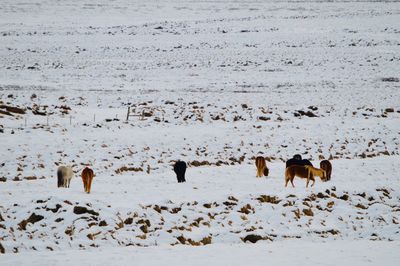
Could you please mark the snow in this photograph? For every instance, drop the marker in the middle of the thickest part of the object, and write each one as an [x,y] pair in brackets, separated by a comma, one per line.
[215,84]
[281,253]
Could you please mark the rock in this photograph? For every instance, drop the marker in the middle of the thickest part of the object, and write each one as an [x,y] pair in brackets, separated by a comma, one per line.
[206,240]
[207,205]
[181,239]
[146,222]
[30,177]
[390,79]
[246,209]
[54,210]
[228,203]
[144,228]
[157,208]
[125,169]
[175,210]
[32,219]
[69,231]
[82,210]
[5,113]
[359,205]
[308,212]
[252,238]
[268,199]
[308,113]
[232,198]
[13,109]
[322,195]
[128,220]
[103,223]
[344,197]
[264,118]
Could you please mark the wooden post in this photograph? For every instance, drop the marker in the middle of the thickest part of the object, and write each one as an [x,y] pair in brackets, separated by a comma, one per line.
[94,117]
[47,120]
[127,114]
[70,120]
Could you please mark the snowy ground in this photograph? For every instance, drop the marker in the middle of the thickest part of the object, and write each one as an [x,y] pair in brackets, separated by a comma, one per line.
[290,252]
[214,84]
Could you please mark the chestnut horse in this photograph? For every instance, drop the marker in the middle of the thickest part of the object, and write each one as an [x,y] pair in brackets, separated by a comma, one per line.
[306,171]
[327,166]
[262,168]
[87,178]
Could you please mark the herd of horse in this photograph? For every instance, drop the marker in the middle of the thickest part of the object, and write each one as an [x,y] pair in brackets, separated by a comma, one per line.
[295,166]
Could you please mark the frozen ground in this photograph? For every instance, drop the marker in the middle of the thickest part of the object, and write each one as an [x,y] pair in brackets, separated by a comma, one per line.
[214,84]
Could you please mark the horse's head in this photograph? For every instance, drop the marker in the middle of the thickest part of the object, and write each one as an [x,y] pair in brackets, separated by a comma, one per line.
[323,177]
[297,157]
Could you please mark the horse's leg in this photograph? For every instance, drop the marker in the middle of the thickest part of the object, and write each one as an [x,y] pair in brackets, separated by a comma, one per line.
[90,183]
[291,181]
[313,182]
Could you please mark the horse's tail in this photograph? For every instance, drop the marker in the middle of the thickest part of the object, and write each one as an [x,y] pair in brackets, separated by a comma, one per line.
[286,172]
[266,171]
[60,179]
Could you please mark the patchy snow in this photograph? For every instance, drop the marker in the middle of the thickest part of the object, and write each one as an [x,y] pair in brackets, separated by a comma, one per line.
[215,84]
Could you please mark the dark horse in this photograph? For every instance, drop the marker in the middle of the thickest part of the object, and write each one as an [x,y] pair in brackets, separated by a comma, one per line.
[180,170]
[297,160]
[327,166]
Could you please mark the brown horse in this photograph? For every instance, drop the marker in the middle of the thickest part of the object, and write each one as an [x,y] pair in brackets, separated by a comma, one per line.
[87,177]
[327,166]
[307,172]
[262,168]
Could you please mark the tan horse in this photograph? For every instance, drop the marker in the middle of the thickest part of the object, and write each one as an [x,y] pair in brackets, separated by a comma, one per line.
[307,172]
[312,171]
[327,166]
[87,177]
[262,168]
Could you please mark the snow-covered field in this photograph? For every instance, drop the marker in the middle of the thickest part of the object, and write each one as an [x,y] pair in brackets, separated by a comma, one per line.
[215,84]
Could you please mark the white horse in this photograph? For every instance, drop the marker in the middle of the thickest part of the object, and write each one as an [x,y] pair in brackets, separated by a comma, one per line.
[64,176]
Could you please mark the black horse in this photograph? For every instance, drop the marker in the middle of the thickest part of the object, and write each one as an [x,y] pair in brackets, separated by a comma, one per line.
[297,160]
[180,170]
